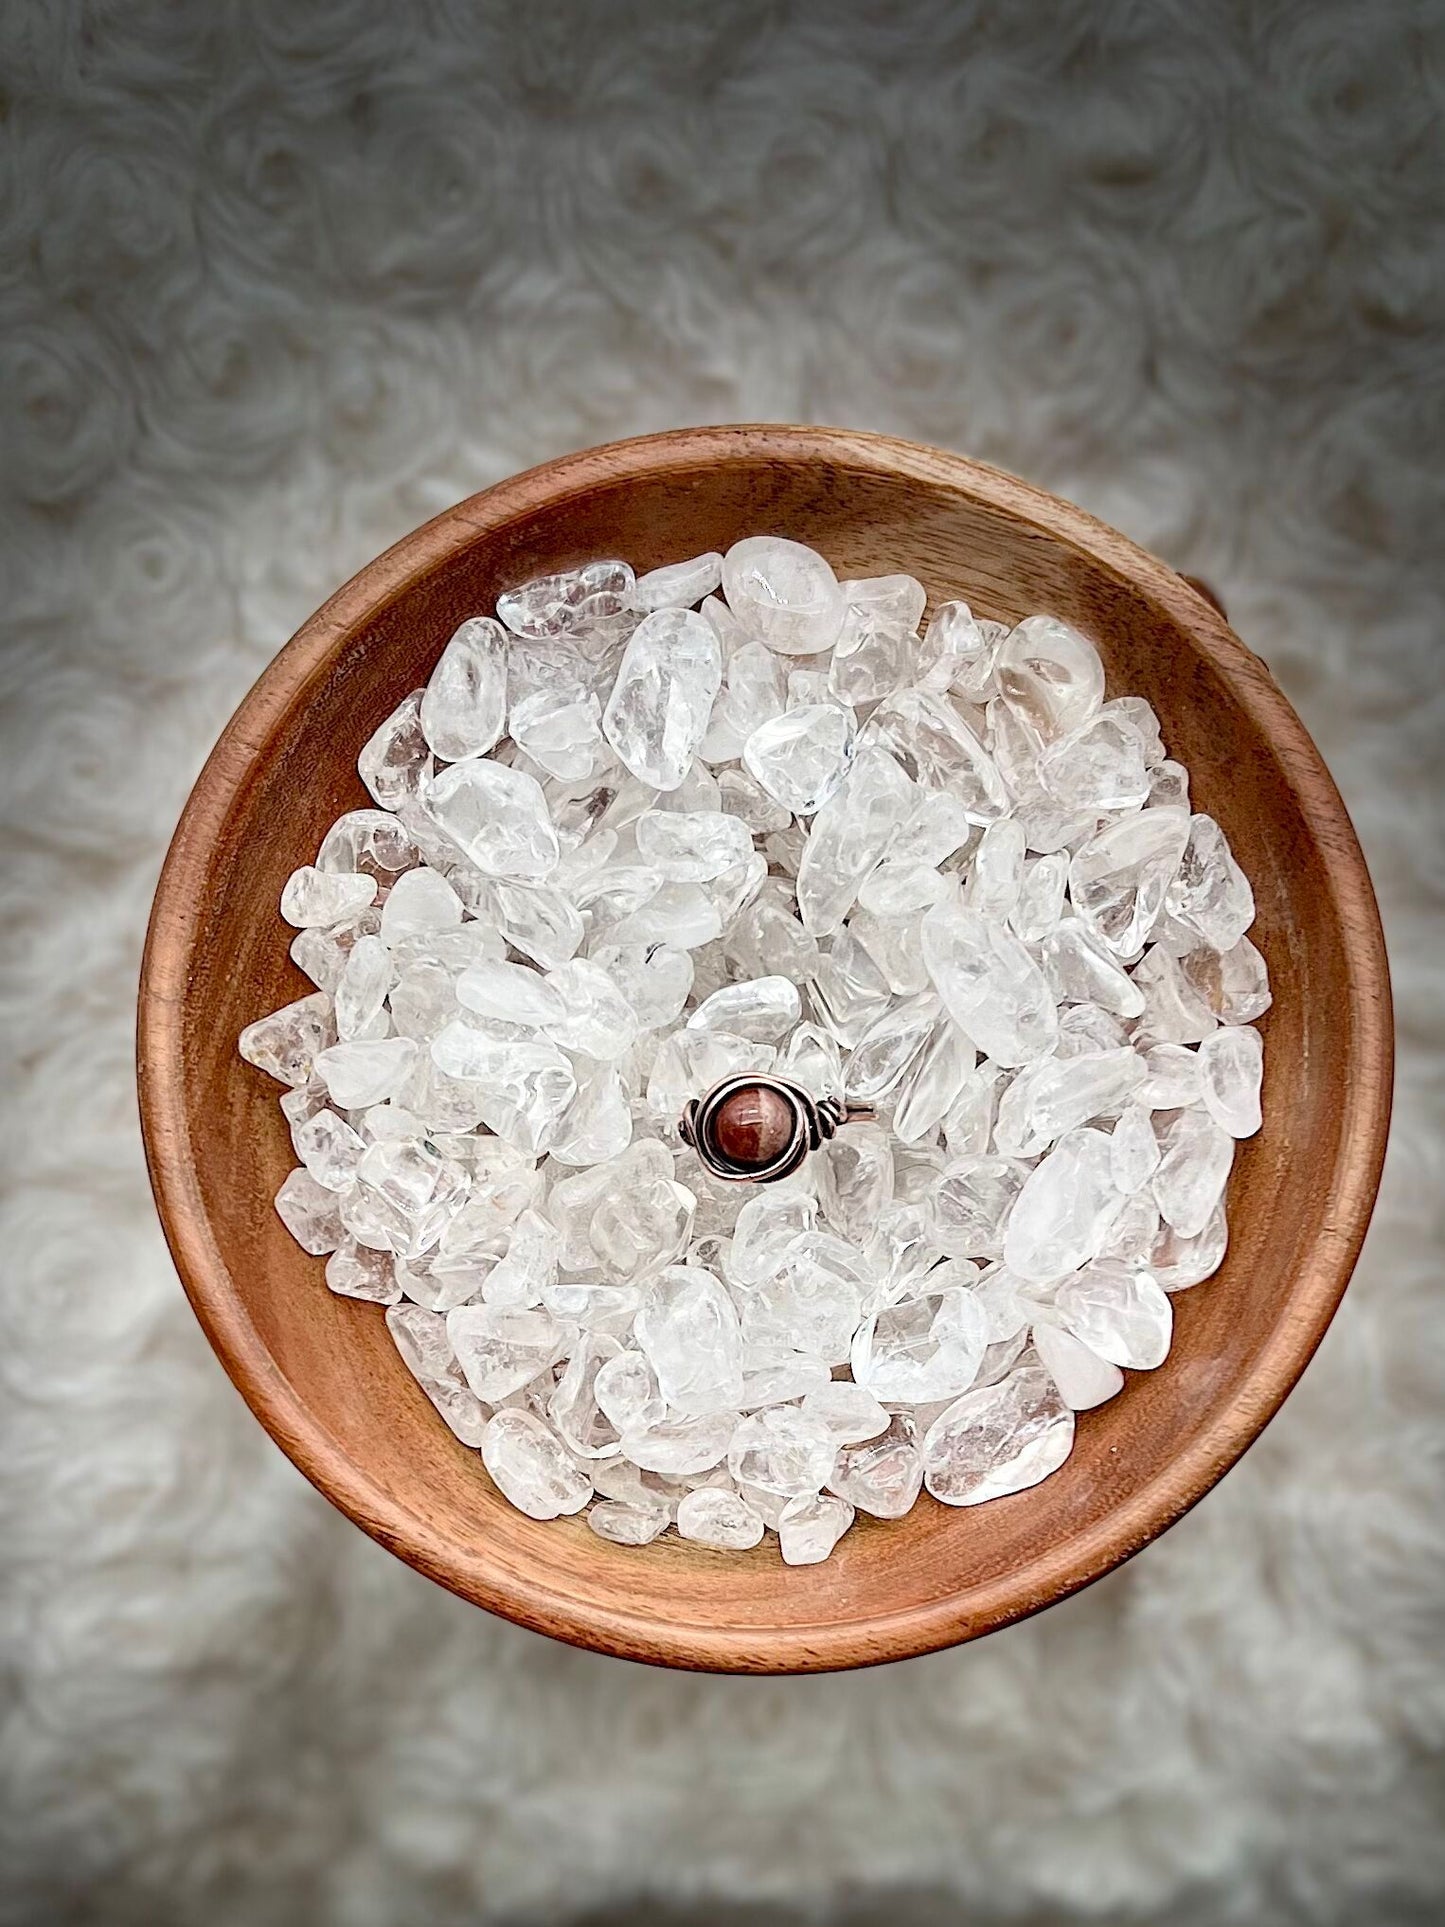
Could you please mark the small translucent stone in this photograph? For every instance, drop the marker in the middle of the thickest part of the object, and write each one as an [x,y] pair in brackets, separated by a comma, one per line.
[324,896]
[1082,1379]
[628,1525]
[935,746]
[688,1328]
[287,1044]
[418,903]
[753,693]
[523,1275]
[311,1213]
[1234,983]
[848,836]
[420,1337]
[991,987]
[676,1446]
[397,761]
[510,993]
[849,991]
[1050,676]
[1118,880]
[656,981]
[330,1149]
[880,1476]
[372,842]
[999,1439]
[1208,893]
[598,1123]
[538,921]
[936,828]
[848,1412]
[416,1193]
[1174,1012]
[692,846]
[527,1087]
[627,1392]
[1134,1150]
[931,1086]
[464,706]
[1135,1231]
[497,816]
[593,601]
[361,993]
[809,1527]
[501,1348]
[998,868]
[761,1008]
[1098,766]
[573,1409]
[1193,1170]
[561,733]
[812,1303]
[971,1204]
[802,757]
[657,714]
[1231,1066]
[712,1516]
[596,1019]
[765,1230]
[1064,1210]
[1119,1313]
[678,585]
[745,798]
[872,654]
[353,1271]
[923,1350]
[1039,907]
[887,1049]
[958,653]
[1177,1262]
[1172,1079]
[530,1466]
[1051,1097]
[781,1450]
[784,594]
[642,1222]
[1169,787]
[366,1071]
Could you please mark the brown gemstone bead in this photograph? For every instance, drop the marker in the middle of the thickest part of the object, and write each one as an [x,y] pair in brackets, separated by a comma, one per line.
[753,1127]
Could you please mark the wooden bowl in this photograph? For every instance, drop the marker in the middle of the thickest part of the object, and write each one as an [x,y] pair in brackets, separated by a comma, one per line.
[319,1371]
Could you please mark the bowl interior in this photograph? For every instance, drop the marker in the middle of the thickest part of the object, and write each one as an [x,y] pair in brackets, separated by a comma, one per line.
[321,1371]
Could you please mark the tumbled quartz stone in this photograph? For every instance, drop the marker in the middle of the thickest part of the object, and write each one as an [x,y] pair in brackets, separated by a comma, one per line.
[396,762]
[688,1328]
[419,903]
[510,993]
[880,1476]
[1083,1379]
[1098,766]
[923,1350]
[809,1527]
[322,897]
[366,1071]
[801,757]
[525,1088]
[330,1149]
[1133,1149]
[628,1524]
[372,842]
[1233,983]
[1174,1012]
[1208,893]
[311,1213]
[958,653]
[932,1084]
[561,733]
[765,1230]
[1119,1313]
[596,1019]
[998,868]
[655,980]
[420,1337]
[497,816]
[849,1412]
[354,1271]
[677,1446]
[598,1122]
[1118,880]
[287,1044]
[1064,1210]
[1050,676]
[760,1008]
[464,705]
[999,1439]
[678,585]
[971,1204]
[848,836]
[1193,1170]
[529,1266]
[1231,1066]
[713,1516]
[537,920]
[692,846]
[934,745]
[1176,1262]
[888,1048]
[991,987]
[784,594]
[361,993]
[1038,908]
[813,1302]
[753,693]
[1048,1098]
[572,602]
[530,1466]
[501,1348]
[657,713]
[781,1450]
[1079,969]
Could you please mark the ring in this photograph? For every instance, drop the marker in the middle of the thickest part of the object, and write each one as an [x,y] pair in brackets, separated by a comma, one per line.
[755,1129]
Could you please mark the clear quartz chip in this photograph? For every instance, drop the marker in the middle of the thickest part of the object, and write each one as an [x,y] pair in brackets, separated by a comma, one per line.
[801,757]
[999,1439]
[922,1350]
[1118,880]
[497,817]
[501,1348]
[1234,983]
[678,585]
[397,761]
[418,903]
[464,705]
[657,713]
[933,743]
[311,1213]
[531,1467]
[782,1450]
[287,1044]
[1208,893]
[760,1008]
[692,846]
[1119,1313]
[1231,1066]
[1098,766]
[809,1527]
[366,1071]
[688,1328]
[561,733]
[1194,1166]
[1050,676]
[676,1446]
[354,1271]
[990,986]
[593,602]
[330,1149]
[324,896]
[1064,1211]
[848,836]
[881,1476]
[1083,1379]
[784,594]
[712,1515]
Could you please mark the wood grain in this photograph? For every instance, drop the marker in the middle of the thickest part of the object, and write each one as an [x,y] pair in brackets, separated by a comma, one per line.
[319,1371]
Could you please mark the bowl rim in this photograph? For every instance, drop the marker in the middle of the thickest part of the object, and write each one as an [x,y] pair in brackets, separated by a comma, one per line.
[174,930]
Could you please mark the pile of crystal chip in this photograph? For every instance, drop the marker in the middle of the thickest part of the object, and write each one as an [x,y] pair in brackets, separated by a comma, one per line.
[639,833]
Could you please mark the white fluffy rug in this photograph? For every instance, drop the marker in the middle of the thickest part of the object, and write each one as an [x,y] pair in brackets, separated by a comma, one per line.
[279,280]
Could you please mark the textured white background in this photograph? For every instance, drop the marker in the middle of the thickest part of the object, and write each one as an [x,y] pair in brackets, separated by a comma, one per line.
[279,281]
